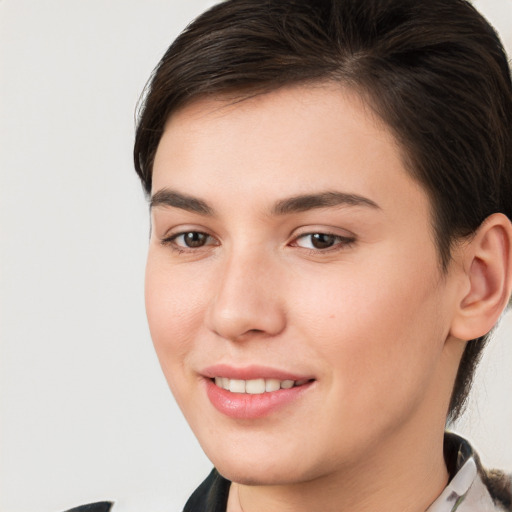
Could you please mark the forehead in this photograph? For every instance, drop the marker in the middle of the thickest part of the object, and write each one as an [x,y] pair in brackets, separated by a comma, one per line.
[291,141]
[302,102]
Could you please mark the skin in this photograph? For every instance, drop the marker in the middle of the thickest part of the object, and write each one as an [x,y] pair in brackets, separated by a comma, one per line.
[369,317]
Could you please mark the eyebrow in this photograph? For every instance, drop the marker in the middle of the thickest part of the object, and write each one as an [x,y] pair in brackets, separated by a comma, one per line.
[167,197]
[306,202]
[295,204]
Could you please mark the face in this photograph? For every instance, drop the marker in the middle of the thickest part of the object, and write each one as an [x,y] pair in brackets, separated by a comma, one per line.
[293,288]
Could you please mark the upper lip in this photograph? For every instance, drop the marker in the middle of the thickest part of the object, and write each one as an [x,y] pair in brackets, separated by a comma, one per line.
[251,372]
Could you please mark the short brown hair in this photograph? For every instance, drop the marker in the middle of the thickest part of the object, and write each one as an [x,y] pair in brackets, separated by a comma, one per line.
[434,71]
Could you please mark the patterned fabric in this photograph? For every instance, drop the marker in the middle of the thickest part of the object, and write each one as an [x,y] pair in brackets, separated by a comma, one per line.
[472,488]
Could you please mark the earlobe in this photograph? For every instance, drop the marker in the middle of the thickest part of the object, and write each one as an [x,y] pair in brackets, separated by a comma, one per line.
[487,264]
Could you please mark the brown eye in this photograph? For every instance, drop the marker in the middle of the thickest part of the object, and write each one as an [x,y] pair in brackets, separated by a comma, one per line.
[193,239]
[323,240]
[317,240]
[190,240]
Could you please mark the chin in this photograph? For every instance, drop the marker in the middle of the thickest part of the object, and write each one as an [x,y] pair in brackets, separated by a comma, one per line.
[256,476]
[259,468]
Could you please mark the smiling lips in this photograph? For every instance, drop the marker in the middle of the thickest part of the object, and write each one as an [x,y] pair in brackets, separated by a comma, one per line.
[245,394]
[256,386]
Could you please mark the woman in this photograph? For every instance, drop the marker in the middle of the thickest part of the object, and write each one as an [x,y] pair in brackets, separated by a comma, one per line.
[331,192]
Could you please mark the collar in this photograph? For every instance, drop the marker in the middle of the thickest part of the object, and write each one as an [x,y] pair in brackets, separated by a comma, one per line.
[471,487]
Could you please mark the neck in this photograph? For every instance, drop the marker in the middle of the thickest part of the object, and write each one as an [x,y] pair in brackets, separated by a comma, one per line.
[405,475]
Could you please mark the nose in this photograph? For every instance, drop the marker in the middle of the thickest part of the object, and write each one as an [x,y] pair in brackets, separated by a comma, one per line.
[247,300]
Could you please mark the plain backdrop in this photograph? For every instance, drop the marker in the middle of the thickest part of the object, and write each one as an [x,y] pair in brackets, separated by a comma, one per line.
[85,413]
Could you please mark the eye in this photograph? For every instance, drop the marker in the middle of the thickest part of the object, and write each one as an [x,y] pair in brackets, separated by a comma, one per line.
[322,241]
[190,240]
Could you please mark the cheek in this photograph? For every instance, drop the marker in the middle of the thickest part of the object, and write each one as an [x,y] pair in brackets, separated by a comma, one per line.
[175,310]
[379,328]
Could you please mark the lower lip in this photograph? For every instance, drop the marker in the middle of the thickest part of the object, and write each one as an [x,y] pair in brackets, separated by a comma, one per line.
[247,406]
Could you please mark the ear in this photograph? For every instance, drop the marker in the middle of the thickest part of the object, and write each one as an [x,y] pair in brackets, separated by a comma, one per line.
[487,279]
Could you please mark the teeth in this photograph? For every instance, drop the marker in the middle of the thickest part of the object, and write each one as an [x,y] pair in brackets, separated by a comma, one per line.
[237,386]
[272,385]
[255,386]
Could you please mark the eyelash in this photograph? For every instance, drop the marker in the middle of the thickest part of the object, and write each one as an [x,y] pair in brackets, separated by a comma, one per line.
[339,242]
[171,241]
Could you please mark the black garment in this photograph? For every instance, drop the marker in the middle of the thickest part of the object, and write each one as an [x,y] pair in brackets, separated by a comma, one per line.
[100,506]
[210,496]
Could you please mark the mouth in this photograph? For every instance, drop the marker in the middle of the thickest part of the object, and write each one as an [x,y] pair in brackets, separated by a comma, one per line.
[254,392]
[257,386]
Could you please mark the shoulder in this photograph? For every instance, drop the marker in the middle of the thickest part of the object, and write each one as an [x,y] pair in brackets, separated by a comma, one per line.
[499,485]
[100,506]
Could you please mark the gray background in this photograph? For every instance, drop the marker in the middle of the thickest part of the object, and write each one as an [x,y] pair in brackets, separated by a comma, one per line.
[84,412]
